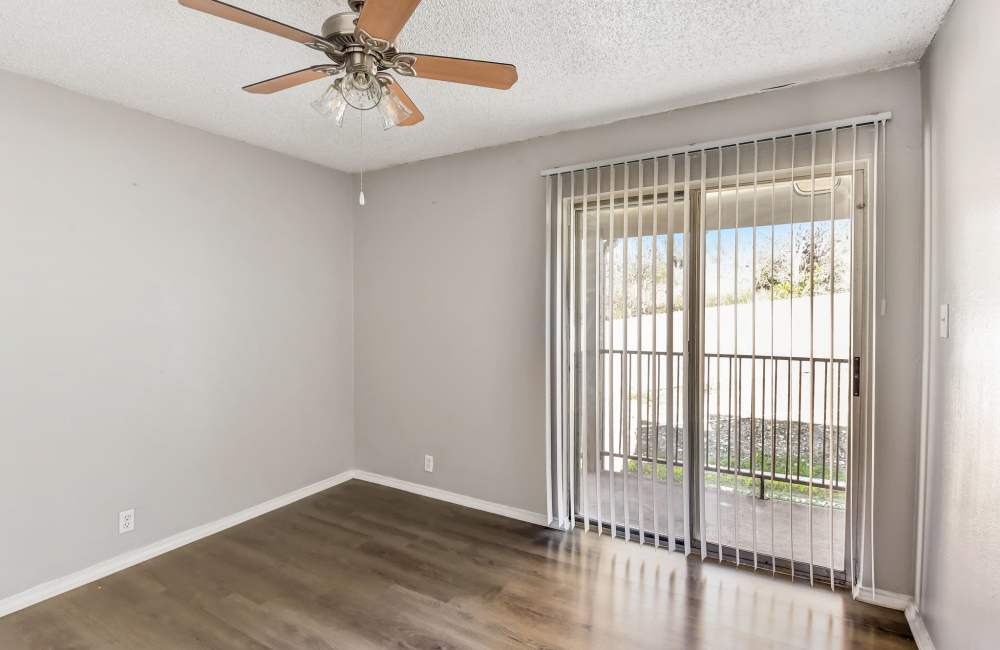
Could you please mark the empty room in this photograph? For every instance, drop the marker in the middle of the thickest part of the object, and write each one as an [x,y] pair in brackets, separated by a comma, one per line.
[466,324]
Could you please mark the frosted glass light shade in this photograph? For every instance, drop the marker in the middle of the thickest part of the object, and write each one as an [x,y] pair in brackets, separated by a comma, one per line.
[393,111]
[332,104]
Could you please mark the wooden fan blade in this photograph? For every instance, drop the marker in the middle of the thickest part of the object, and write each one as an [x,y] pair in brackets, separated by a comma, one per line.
[289,80]
[237,15]
[384,19]
[400,94]
[465,71]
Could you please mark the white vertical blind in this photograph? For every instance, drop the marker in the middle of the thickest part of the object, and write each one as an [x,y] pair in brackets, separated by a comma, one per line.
[705,306]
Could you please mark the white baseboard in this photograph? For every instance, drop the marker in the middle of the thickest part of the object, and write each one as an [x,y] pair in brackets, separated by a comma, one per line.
[883,598]
[105,568]
[919,630]
[903,603]
[537,518]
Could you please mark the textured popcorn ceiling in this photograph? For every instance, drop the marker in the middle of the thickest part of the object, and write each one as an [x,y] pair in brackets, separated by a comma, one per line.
[581,62]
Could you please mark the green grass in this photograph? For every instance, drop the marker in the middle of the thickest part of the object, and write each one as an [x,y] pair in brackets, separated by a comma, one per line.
[778,490]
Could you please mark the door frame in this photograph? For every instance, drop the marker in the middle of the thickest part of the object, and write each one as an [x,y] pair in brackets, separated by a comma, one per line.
[861,345]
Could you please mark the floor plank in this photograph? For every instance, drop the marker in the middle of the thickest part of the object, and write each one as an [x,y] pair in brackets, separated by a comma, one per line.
[366,566]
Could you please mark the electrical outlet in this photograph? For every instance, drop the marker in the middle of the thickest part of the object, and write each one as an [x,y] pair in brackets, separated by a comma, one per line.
[428,463]
[126,521]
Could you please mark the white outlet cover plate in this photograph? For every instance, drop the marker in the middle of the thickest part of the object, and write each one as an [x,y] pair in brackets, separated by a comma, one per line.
[428,463]
[126,521]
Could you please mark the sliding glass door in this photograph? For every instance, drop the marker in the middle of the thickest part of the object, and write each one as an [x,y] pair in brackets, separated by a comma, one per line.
[779,317]
[718,310]
[635,468]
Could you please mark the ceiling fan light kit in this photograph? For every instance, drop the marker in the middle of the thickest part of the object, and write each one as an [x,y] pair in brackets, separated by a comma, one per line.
[361,46]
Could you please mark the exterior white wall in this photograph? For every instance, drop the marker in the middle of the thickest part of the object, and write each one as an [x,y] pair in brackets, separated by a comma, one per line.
[450,299]
[177,328]
[961,559]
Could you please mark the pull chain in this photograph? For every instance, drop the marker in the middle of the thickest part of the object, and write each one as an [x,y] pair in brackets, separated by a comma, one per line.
[361,194]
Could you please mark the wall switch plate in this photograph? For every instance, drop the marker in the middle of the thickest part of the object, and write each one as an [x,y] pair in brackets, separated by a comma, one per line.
[943,318]
[126,521]
[428,463]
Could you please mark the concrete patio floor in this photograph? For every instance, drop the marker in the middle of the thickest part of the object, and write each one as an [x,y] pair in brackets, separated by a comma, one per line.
[791,524]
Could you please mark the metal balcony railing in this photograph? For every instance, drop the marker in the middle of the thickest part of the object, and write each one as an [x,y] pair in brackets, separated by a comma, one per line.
[762,414]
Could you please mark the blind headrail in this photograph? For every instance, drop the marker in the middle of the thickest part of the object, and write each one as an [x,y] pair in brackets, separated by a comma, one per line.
[726,142]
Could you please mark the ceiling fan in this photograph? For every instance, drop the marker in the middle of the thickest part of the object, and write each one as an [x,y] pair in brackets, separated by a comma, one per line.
[361,44]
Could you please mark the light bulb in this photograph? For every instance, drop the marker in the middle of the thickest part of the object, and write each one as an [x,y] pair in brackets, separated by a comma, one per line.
[361,91]
[361,197]
[332,104]
[393,111]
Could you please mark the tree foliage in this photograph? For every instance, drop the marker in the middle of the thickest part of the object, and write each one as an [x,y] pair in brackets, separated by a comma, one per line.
[806,270]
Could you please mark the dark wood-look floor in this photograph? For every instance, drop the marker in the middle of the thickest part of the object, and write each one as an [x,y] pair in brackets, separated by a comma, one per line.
[365,566]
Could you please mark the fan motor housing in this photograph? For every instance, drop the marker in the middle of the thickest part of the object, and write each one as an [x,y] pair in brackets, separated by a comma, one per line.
[340,28]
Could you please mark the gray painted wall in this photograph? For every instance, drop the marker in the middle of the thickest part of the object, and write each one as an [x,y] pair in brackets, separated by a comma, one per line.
[180,341]
[177,328]
[449,290]
[961,581]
